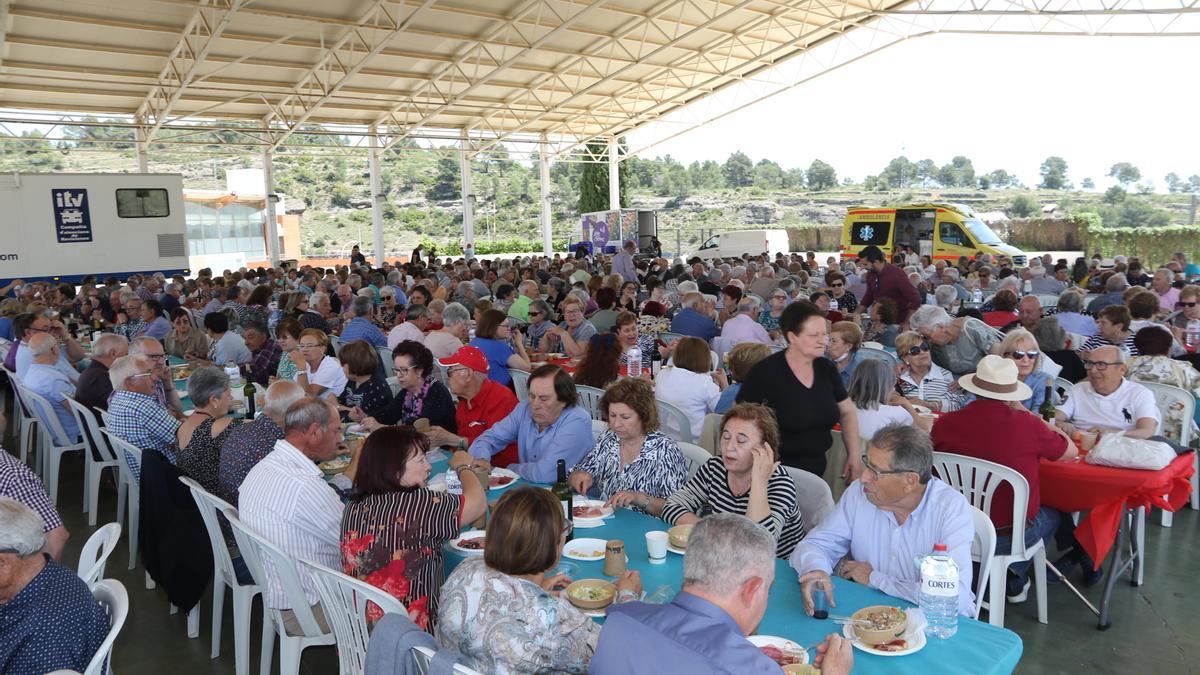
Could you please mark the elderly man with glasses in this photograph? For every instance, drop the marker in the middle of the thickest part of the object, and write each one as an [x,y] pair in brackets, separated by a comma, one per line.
[135,413]
[896,512]
[1106,402]
[482,403]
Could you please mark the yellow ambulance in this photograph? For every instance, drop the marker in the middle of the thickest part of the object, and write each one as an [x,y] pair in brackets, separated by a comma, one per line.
[940,231]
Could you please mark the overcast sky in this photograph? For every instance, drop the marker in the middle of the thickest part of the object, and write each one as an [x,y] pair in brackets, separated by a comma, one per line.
[1005,102]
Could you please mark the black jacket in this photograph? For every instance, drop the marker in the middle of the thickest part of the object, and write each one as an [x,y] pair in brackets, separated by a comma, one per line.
[174,542]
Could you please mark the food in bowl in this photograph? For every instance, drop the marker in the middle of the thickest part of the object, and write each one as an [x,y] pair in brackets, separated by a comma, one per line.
[591,593]
[678,536]
[334,466]
[884,627]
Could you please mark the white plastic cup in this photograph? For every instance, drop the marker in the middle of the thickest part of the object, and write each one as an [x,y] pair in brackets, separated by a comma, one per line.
[96,336]
[656,544]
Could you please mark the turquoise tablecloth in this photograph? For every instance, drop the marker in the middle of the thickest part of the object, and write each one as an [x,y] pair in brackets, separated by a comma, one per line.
[978,647]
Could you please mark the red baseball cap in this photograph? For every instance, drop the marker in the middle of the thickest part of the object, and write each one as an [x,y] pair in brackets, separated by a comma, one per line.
[468,356]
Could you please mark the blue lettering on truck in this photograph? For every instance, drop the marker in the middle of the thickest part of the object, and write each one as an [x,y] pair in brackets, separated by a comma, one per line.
[72,216]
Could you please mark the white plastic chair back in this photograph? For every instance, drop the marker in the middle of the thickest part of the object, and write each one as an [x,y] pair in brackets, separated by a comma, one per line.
[1175,410]
[695,455]
[385,358]
[345,601]
[871,344]
[675,422]
[105,418]
[258,554]
[1061,386]
[880,354]
[978,480]
[1046,299]
[981,552]
[210,505]
[112,595]
[28,421]
[520,380]
[598,430]
[710,433]
[394,383]
[423,656]
[94,556]
[97,446]
[1075,340]
[128,457]
[55,444]
[439,372]
[813,496]
[668,337]
[336,343]
[589,398]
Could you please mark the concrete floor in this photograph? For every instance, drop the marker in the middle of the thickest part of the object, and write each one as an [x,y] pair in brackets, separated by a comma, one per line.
[1153,626]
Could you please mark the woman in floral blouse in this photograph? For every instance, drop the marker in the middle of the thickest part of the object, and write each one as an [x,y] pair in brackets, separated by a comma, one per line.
[394,527]
[633,454]
[504,612]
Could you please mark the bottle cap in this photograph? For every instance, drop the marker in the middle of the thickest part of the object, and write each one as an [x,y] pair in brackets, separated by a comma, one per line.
[940,547]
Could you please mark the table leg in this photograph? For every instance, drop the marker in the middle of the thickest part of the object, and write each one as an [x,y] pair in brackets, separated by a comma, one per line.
[1137,540]
[1117,564]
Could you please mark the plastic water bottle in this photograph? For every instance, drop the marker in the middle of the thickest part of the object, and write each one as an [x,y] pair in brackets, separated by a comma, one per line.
[939,593]
[833,304]
[232,371]
[1028,287]
[633,359]
[1192,335]
[977,295]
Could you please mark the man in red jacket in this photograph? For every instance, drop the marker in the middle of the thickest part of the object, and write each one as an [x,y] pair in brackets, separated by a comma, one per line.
[887,281]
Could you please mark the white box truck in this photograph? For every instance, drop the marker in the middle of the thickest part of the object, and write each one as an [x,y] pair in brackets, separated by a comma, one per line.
[736,243]
[65,226]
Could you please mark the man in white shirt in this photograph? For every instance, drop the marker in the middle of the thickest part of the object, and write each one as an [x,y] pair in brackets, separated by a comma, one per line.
[1107,401]
[285,499]
[894,514]
[416,320]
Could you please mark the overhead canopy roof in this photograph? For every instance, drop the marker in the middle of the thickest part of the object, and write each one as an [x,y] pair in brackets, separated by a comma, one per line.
[500,70]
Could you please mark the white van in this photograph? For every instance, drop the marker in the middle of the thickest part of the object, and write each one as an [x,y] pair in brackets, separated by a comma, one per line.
[735,243]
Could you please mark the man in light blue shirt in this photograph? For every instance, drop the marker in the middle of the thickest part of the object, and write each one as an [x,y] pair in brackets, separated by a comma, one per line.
[728,572]
[547,427]
[622,263]
[886,520]
[45,379]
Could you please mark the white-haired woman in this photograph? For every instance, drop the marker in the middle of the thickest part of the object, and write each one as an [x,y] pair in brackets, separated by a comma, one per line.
[873,391]
[957,344]
[202,433]
[921,380]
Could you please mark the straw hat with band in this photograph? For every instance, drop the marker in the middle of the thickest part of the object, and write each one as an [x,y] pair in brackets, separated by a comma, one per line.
[996,378]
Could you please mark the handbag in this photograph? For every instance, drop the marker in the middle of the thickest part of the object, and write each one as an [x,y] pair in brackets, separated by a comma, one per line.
[1120,451]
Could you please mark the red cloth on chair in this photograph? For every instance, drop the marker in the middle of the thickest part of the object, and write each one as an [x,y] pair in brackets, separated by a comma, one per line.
[1108,491]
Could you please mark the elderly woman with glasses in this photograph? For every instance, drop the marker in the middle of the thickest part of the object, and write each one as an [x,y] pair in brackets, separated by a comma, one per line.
[846,301]
[573,335]
[421,395]
[956,344]
[539,323]
[769,317]
[318,373]
[202,433]
[922,381]
[1020,346]
[1189,310]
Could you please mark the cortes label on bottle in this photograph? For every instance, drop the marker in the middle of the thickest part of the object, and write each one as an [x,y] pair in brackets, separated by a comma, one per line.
[940,587]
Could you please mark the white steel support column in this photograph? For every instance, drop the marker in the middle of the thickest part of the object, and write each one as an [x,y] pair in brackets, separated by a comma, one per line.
[547,234]
[273,251]
[376,199]
[468,193]
[614,177]
[143,159]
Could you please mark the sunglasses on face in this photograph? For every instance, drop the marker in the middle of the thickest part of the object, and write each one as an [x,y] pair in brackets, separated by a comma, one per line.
[1187,304]
[1016,356]
[923,347]
[836,285]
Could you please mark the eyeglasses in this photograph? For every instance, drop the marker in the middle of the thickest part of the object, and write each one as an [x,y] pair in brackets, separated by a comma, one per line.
[39,330]
[837,285]
[402,372]
[880,472]
[1187,304]
[310,346]
[450,372]
[1031,355]
[917,349]
[532,313]
[134,377]
[1101,365]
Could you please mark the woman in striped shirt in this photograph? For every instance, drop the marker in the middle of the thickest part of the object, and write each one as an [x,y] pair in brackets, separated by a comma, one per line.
[394,527]
[633,455]
[1114,324]
[921,380]
[746,479]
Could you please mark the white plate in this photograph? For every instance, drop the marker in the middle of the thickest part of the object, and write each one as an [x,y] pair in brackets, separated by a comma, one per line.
[782,643]
[922,410]
[357,430]
[916,641]
[578,548]
[503,472]
[605,511]
[469,534]
[672,549]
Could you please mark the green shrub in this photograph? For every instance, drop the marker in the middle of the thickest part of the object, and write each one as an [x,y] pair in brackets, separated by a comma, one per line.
[1153,245]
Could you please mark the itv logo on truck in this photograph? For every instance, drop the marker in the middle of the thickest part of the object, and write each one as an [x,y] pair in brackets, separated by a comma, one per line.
[72,216]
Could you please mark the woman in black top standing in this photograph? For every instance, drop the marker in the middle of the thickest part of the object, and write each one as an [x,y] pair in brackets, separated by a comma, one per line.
[807,394]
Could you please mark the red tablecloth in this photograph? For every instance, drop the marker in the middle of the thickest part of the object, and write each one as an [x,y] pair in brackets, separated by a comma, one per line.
[1106,491]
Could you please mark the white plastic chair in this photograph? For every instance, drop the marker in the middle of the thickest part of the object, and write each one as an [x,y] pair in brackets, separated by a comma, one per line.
[813,496]
[112,595]
[345,601]
[1176,410]
[93,468]
[1046,299]
[589,398]
[695,455]
[128,457]
[27,422]
[385,358]
[94,556]
[675,422]
[336,343]
[710,433]
[394,383]
[977,480]
[1061,386]
[55,442]
[880,354]
[520,380]
[598,429]
[668,337]
[981,552]
[423,656]
[256,551]
[224,575]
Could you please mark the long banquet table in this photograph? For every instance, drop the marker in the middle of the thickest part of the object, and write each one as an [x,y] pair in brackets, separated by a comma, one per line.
[978,648]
